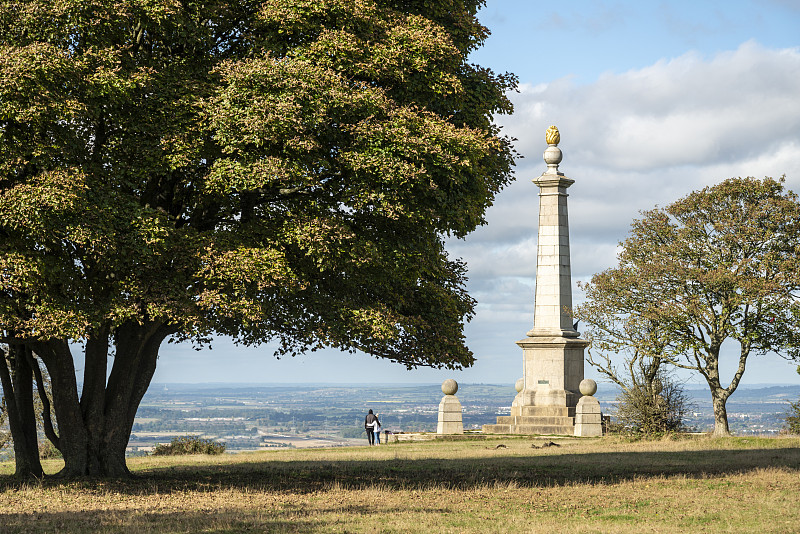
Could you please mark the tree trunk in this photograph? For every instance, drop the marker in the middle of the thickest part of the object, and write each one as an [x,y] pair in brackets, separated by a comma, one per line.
[73,437]
[18,393]
[134,365]
[720,414]
[47,414]
[94,430]
[93,395]
[719,395]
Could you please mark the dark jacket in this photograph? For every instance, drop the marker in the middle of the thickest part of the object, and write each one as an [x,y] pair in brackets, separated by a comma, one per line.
[370,419]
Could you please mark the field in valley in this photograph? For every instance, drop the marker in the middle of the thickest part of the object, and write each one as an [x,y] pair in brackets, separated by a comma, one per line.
[687,484]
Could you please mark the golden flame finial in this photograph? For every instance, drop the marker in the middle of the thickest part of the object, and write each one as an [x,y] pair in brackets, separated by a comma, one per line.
[552,136]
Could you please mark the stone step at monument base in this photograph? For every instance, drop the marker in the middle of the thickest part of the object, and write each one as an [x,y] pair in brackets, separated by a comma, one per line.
[535,420]
[559,430]
[543,411]
[559,420]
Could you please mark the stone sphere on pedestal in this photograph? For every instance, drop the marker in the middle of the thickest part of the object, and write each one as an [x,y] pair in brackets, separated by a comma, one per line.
[553,155]
[588,387]
[519,384]
[449,387]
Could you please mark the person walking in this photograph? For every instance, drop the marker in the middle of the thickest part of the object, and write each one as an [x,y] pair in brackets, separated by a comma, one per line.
[369,426]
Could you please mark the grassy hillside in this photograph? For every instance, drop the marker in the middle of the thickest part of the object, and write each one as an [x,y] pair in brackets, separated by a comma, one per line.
[606,485]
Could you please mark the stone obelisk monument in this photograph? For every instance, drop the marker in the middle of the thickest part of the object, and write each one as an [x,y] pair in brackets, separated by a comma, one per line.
[552,352]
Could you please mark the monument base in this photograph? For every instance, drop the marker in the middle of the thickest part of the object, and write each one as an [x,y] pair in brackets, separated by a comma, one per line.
[553,371]
[535,420]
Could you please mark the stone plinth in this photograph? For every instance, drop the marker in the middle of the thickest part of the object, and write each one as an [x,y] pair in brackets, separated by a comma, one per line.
[588,418]
[450,419]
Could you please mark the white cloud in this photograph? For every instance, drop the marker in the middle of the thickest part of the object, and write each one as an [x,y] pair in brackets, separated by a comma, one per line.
[686,111]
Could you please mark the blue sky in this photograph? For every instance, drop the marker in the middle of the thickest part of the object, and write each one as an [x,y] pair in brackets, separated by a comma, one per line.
[653,100]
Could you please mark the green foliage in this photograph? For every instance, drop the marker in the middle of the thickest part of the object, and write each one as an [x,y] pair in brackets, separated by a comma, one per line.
[652,409]
[188,445]
[47,450]
[722,264]
[793,418]
[268,170]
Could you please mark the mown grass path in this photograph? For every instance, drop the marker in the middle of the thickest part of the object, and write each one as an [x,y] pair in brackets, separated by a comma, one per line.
[601,485]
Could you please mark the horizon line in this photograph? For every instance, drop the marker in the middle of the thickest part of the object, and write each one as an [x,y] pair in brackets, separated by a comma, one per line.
[412,384]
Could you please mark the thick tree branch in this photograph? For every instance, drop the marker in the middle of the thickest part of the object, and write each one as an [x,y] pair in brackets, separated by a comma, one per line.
[47,418]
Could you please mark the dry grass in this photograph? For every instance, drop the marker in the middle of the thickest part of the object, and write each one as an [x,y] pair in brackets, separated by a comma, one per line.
[608,485]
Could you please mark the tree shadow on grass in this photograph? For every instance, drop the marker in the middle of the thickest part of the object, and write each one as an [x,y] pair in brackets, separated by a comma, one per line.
[521,470]
[227,520]
[132,520]
[465,473]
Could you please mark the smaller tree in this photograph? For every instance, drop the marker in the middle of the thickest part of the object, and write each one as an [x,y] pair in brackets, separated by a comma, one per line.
[793,418]
[722,264]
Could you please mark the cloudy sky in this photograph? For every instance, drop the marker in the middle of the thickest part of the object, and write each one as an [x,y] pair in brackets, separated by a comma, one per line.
[653,100]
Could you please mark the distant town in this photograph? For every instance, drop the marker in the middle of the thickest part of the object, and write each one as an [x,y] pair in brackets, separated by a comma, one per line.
[257,417]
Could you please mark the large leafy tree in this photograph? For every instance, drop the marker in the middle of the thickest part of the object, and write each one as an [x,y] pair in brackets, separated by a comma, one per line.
[279,171]
[720,265]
